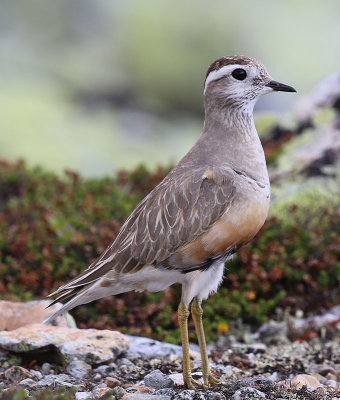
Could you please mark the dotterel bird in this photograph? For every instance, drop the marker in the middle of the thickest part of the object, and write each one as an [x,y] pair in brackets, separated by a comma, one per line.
[213,202]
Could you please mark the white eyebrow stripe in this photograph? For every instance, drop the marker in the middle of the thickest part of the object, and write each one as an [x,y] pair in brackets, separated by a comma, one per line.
[214,75]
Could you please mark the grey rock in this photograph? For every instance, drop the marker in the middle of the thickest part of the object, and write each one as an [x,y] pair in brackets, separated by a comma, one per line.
[17,374]
[103,370]
[264,383]
[37,374]
[119,392]
[45,368]
[157,380]
[165,392]
[58,380]
[125,361]
[97,377]
[100,386]
[248,393]
[27,384]
[83,395]
[214,395]
[274,377]
[149,348]
[335,311]
[100,391]
[186,395]
[142,396]
[273,332]
[332,382]
[79,369]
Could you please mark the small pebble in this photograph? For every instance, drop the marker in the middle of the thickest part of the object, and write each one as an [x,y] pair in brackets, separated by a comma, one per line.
[112,382]
[45,368]
[27,384]
[157,380]
[304,380]
[331,376]
[83,395]
[125,361]
[119,392]
[104,370]
[97,377]
[186,395]
[79,369]
[16,374]
[332,383]
[99,392]
[248,393]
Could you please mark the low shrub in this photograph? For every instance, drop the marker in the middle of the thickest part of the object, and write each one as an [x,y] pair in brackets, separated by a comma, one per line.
[51,228]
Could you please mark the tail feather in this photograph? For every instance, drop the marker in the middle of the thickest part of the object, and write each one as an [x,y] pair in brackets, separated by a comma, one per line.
[64,296]
[83,295]
[76,301]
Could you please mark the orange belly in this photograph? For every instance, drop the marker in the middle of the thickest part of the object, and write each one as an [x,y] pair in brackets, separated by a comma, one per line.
[236,227]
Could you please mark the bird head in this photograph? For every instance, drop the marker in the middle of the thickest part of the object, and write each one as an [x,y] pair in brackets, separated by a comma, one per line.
[238,82]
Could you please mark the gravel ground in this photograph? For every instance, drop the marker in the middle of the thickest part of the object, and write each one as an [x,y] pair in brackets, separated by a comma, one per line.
[308,370]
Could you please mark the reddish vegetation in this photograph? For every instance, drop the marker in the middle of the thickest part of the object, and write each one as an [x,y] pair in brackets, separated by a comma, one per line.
[52,228]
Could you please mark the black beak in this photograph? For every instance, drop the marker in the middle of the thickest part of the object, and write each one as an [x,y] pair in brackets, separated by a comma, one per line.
[280,87]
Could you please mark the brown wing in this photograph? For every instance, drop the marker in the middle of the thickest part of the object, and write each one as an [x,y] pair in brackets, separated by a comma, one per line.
[181,208]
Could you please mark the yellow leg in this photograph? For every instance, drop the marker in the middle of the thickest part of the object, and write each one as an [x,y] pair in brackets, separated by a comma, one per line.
[197,313]
[183,314]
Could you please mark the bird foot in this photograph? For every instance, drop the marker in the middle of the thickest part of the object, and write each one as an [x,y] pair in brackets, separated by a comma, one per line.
[209,379]
[192,384]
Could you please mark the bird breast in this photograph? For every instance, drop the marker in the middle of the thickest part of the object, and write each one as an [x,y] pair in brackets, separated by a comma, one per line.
[237,226]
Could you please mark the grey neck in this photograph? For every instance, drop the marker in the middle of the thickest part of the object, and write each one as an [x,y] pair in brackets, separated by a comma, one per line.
[230,116]
[229,139]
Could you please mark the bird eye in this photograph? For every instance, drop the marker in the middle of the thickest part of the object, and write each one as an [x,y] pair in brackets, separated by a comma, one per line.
[239,74]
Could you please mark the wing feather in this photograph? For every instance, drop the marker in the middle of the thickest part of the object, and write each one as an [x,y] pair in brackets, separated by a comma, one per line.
[181,208]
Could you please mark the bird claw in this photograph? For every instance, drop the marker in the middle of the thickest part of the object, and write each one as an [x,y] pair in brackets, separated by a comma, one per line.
[211,379]
[192,384]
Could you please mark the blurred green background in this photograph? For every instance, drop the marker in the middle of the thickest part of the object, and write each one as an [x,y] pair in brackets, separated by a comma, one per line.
[96,86]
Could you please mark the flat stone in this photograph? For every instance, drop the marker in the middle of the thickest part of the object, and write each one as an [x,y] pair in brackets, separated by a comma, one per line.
[79,369]
[27,384]
[58,380]
[90,345]
[149,348]
[157,380]
[15,315]
[304,380]
[83,395]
